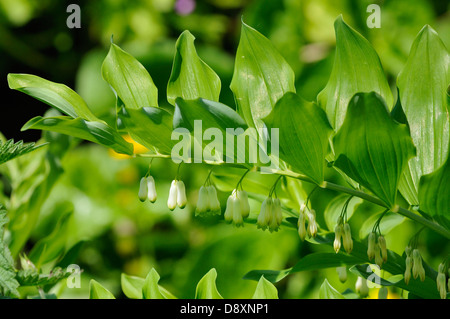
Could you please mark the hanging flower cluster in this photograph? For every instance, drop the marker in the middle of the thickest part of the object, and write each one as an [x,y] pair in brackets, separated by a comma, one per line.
[237,208]
[270,216]
[343,231]
[413,265]
[208,202]
[441,281]
[376,248]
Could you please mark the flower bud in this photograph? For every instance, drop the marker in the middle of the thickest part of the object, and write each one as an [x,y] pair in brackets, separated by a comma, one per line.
[407,275]
[228,216]
[181,195]
[371,243]
[276,216]
[245,206]
[213,200]
[378,258]
[237,213]
[383,293]
[347,238]
[417,263]
[342,273]
[151,187]
[408,251]
[382,243]
[202,202]
[361,287]
[143,190]
[338,231]
[265,214]
[172,200]
[301,226]
[441,284]
[312,225]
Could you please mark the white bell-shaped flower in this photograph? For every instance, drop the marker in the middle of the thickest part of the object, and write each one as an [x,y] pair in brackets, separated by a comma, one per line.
[371,242]
[181,194]
[228,216]
[337,237]
[173,192]
[214,204]
[151,189]
[301,223]
[143,189]
[245,206]
[265,214]
[342,273]
[203,202]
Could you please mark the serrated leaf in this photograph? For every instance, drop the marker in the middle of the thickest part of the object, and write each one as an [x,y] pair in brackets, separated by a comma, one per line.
[422,85]
[149,126]
[94,131]
[261,76]
[335,206]
[303,134]
[150,289]
[97,291]
[10,150]
[52,247]
[372,148]
[57,95]
[33,278]
[206,287]
[357,68]
[434,194]
[129,79]
[8,281]
[191,78]
[329,292]
[265,290]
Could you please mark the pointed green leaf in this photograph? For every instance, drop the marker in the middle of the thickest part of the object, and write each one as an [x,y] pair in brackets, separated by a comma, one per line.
[53,246]
[97,291]
[357,68]
[329,292]
[303,134]
[372,148]
[387,223]
[434,194]
[149,126]
[206,287]
[191,78]
[335,206]
[132,286]
[422,88]
[54,94]
[150,289]
[265,290]
[129,79]
[94,131]
[10,150]
[261,76]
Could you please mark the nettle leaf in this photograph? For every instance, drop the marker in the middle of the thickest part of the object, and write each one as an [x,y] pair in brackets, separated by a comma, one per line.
[357,68]
[149,126]
[54,94]
[94,131]
[304,132]
[8,281]
[129,79]
[97,291]
[329,292]
[335,206]
[31,277]
[261,76]
[265,290]
[372,148]
[434,194]
[10,150]
[206,287]
[422,88]
[52,247]
[191,78]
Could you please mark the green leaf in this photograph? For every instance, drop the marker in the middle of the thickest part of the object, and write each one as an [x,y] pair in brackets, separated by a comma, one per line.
[54,94]
[388,222]
[206,287]
[53,246]
[149,126]
[97,291]
[335,206]
[265,290]
[132,286]
[371,273]
[329,292]
[150,289]
[129,79]
[434,194]
[357,68]
[303,134]
[94,131]
[191,78]
[422,88]
[261,76]
[8,281]
[10,150]
[372,148]
[33,278]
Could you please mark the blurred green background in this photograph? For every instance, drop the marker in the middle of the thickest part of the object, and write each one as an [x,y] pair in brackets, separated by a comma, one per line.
[122,234]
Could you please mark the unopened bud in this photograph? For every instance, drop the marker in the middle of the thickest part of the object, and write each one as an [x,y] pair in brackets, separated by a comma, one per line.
[202,202]
[237,214]
[361,287]
[407,275]
[181,194]
[378,258]
[338,231]
[312,225]
[382,243]
[347,238]
[228,216]
[172,200]
[265,214]
[214,204]
[143,190]
[342,273]
[301,226]
[151,187]
[441,285]
[371,243]
[245,206]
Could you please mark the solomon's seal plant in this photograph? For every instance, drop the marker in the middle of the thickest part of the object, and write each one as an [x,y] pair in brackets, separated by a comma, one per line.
[392,155]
